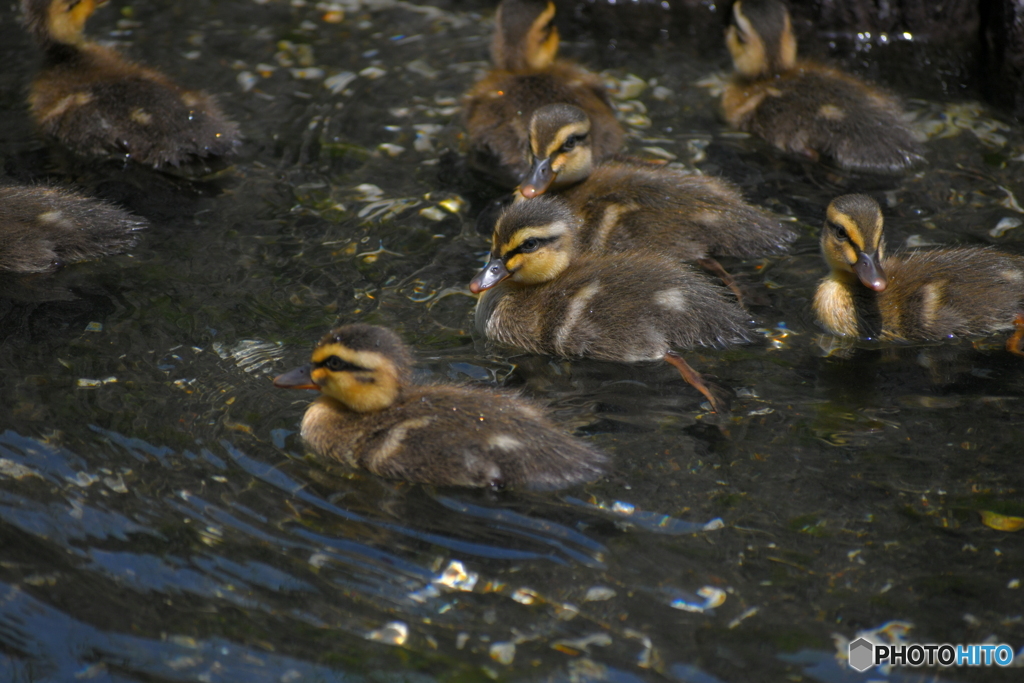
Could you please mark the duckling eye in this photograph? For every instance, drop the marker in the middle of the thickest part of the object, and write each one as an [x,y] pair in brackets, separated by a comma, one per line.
[529,245]
[839,231]
[573,140]
[335,364]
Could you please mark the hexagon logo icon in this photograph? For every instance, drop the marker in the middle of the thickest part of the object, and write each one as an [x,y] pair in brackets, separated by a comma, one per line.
[862,654]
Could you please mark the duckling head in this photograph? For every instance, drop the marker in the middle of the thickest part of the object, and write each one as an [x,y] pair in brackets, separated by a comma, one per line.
[362,366]
[760,38]
[525,36]
[532,244]
[560,147]
[58,21]
[852,241]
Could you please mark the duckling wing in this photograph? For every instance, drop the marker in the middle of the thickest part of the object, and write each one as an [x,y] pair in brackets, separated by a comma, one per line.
[101,105]
[941,293]
[817,111]
[629,207]
[456,436]
[44,227]
[622,307]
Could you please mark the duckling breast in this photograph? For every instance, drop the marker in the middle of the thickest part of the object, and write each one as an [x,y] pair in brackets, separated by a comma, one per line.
[940,293]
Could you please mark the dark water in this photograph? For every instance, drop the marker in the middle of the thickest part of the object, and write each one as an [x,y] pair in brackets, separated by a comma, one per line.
[158,521]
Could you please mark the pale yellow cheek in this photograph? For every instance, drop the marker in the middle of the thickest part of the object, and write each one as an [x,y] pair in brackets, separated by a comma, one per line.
[538,268]
[320,376]
[362,397]
[849,254]
[839,257]
[359,396]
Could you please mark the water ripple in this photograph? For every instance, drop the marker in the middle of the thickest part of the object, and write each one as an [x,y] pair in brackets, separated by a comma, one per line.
[56,647]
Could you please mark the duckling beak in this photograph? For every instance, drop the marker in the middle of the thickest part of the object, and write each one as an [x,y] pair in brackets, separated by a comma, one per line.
[299,378]
[493,273]
[538,180]
[870,271]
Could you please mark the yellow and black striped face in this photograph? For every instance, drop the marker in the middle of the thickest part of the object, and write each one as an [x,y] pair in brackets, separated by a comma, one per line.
[534,253]
[363,381]
[569,152]
[67,18]
[560,148]
[760,37]
[533,242]
[852,240]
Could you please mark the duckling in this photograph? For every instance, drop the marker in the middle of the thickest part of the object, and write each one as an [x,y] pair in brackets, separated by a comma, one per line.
[542,296]
[371,415]
[627,206]
[916,295]
[42,228]
[97,103]
[806,108]
[526,75]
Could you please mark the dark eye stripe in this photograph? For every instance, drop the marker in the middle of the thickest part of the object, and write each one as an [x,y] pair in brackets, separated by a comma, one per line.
[541,241]
[335,364]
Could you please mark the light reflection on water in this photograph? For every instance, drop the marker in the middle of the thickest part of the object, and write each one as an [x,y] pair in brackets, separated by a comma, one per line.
[159,522]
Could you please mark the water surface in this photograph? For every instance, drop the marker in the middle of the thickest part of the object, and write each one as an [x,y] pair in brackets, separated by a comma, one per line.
[159,521]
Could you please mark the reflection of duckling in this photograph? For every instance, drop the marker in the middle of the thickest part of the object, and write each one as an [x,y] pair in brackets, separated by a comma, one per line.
[526,76]
[628,206]
[99,104]
[631,306]
[918,295]
[41,228]
[371,415]
[804,107]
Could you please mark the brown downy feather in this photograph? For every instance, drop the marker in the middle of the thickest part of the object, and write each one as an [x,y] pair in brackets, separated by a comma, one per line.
[442,435]
[98,103]
[42,228]
[928,294]
[627,206]
[806,108]
[629,306]
[526,76]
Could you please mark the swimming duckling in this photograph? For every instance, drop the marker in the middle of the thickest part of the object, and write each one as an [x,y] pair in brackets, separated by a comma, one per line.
[371,415]
[632,306]
[526,75]
[628,206]
[922,295]
[97,103]
[806,108]
[42,228]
